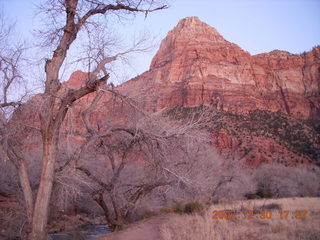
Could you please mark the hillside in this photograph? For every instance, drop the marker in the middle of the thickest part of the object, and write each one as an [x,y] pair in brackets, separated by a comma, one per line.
[268,105]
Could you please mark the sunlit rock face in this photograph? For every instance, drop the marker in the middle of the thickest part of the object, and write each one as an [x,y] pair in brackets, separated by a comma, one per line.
[196,66]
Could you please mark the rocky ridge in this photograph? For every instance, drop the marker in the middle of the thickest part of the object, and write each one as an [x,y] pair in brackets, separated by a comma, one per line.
[196,66]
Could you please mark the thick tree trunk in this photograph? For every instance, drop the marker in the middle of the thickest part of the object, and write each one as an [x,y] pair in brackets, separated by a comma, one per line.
[113,223]
[26,188]
[41,209]
[14,153]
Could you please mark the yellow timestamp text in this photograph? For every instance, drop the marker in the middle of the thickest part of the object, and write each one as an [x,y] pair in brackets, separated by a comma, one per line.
[259,214]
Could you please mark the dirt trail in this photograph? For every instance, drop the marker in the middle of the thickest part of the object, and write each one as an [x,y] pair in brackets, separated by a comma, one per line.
[148,229]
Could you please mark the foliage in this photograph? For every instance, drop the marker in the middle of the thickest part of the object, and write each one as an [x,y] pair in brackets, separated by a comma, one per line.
[264,191]
[274,180]
[299,136]
[193,207]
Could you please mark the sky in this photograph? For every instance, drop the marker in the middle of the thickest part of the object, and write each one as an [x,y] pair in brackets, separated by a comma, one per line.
[257,26]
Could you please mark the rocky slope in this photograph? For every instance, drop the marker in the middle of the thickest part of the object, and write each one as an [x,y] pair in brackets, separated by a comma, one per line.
[269,103]
[260,136]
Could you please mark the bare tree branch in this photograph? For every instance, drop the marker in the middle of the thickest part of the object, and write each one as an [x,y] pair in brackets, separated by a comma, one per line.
[117,7]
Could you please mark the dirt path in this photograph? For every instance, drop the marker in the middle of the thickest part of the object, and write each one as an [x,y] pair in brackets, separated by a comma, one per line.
[144,230]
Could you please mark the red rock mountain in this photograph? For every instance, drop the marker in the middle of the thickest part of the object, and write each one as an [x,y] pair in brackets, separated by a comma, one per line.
[196,66]
[265,100]
[268,104]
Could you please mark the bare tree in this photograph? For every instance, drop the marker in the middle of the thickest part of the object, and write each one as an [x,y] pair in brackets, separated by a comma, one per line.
[135,153]
[11,58]
[275,180]
[75,15]
[17,135]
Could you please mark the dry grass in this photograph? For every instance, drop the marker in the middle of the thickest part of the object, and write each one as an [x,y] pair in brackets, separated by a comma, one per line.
[194,227]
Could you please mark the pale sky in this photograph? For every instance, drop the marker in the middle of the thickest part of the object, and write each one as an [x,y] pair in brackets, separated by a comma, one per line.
[257,26]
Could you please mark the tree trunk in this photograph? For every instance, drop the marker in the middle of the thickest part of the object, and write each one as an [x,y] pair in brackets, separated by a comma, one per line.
[41,209]
[14,153]
[114,224]
[26,188]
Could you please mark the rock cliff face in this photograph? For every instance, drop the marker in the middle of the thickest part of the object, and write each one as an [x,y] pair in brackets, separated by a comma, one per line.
[269,102]
[196,66]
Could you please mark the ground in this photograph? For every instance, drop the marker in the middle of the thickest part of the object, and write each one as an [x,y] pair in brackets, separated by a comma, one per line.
[202,225]
[148,229]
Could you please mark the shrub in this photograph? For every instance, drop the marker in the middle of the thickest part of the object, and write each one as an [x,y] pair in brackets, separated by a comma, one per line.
[271,206]
[178,209]
[193,207]
[238,185]
[252,196]
[264,191]
[166,210]
[173,209]
[274,180]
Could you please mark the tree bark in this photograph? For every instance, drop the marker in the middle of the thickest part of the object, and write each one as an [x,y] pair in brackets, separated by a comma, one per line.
[14,154]
[99,199]
[26,188]
[41,210]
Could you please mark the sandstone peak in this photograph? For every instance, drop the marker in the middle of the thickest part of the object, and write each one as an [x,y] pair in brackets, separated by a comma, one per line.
[188,35]
[193,25]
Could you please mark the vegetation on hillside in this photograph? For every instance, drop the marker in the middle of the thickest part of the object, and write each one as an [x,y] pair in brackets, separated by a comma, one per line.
[301,137]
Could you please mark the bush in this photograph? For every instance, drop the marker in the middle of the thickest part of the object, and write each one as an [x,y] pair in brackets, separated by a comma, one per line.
[238,186]
[264,191]
[252,196]
[275,180]
[173,209]
[178,209]
[166,210]
[193,207]
[271,206]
